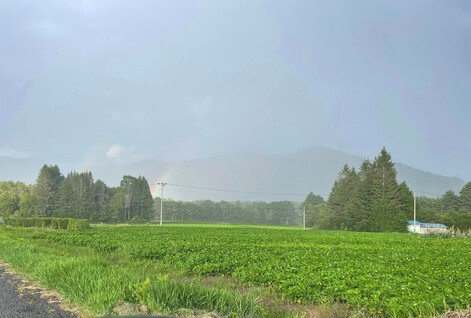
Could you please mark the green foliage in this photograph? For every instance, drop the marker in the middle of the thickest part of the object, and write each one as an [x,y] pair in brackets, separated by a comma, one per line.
[137,220]
[450,209]
[449,202]
[460,220]
[51,223]
[45,190]
[465,198]
[370,200]
[272,213]
[135,193]
[340,203]
[78,224]
[101,202]
[75,195]
[98,284]
[379,272]
[315,206]
[11,194]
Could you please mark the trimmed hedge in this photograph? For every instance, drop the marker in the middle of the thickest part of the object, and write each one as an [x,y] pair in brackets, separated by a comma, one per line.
[51,223]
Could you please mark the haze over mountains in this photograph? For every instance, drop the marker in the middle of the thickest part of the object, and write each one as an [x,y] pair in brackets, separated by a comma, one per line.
[244,176]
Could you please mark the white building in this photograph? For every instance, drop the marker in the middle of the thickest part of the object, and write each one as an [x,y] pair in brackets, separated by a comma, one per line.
[423,228]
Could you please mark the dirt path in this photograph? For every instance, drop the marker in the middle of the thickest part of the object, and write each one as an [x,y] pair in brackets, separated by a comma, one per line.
[20,300]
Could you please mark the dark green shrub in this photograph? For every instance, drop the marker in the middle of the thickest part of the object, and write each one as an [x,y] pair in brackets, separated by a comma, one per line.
[51,223]
[46,222]
[137,220]
[62,223]
[78,224]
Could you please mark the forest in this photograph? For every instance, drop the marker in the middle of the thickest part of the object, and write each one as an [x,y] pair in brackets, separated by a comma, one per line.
[372,200]
[369,199]
[77,195]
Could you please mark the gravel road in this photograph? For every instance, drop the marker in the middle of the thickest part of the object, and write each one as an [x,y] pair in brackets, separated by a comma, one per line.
[19,302]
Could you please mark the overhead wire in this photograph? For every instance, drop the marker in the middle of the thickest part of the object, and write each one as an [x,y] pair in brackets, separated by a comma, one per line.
[259,192]
[233,190]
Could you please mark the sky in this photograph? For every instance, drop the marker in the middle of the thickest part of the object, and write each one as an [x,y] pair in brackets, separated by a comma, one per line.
[87,83]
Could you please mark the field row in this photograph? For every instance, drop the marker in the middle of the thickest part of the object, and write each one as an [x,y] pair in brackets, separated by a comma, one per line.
[392,274]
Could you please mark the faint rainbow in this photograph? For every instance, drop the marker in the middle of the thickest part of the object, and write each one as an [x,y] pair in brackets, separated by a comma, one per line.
[165,176]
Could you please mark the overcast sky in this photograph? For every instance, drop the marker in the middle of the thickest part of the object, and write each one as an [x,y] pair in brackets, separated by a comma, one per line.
[84,83]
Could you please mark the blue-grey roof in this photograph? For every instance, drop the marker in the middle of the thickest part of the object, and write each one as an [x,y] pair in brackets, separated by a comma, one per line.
[428,225]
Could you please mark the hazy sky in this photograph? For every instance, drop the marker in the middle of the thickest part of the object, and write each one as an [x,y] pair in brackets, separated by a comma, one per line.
[92,82]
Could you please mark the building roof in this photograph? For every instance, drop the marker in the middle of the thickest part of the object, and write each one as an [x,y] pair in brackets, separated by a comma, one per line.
[428,225]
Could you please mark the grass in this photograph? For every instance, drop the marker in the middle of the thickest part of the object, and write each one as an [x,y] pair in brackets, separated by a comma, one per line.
[245,271]
[206,225]
[97,283]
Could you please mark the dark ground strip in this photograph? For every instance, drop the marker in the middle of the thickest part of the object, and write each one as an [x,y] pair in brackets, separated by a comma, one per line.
[27,303]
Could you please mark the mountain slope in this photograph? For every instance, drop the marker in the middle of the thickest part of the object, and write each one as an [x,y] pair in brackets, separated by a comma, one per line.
[248,176]
[310,170]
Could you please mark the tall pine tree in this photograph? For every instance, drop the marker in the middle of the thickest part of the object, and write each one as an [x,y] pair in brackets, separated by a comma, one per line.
[75,196]
[387,204]
[45,190]
[363,202]
[370,200]
[341,198]
[465,198]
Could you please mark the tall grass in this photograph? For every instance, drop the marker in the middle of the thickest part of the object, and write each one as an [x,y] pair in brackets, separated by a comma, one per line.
[97,284]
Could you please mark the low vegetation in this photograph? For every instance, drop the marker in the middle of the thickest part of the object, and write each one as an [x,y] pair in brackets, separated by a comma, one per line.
[376,274]
[101,283]
[49,223]
[241,271]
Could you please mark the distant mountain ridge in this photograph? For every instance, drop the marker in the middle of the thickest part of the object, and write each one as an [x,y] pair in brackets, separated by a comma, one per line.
[246,176]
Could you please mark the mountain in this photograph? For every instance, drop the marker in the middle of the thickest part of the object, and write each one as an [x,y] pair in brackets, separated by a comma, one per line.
[255,177]
[244,176]
[427,183]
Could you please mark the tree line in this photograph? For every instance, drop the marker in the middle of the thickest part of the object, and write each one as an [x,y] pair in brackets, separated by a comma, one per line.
[371,199]
[237,212]
[77,195]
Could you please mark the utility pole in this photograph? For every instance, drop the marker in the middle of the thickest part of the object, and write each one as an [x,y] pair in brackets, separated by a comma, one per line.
[162,184]
[415,205]
[304,217]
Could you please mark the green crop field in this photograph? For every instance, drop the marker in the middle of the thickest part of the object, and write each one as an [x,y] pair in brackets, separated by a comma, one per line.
[383,274]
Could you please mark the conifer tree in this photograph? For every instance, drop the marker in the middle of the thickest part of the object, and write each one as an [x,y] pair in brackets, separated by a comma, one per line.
[138,200]
[406,198]
[465,198]
[143,199]
[127,185]
[370,200]
[45,190]
[450,201]
[363,202]
[386,204]
[75,196]
[341,198]
[101,199]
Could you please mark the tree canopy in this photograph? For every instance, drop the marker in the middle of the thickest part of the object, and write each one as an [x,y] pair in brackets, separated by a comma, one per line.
[368,200]
[77,196]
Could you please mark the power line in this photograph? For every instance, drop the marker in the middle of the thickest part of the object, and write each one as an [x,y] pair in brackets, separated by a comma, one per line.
[430,193]
[259,192]
[236,191]
[233,191]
